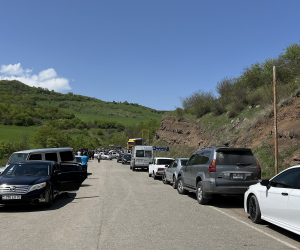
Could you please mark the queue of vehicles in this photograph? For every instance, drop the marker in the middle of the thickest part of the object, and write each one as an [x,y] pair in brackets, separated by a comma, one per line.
[213,171]
[37,176]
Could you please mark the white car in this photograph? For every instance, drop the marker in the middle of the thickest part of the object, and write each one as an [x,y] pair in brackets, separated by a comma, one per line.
[276,200]
[158,166]
[103,155]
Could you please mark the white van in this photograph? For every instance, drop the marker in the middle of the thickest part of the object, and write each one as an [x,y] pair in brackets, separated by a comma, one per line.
[141,157]
[45,154]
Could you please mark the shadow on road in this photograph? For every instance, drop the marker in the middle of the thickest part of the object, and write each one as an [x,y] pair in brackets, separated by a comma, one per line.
[59,202]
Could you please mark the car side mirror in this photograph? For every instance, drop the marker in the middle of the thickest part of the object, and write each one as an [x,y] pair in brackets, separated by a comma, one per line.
[265,183]
[57,172]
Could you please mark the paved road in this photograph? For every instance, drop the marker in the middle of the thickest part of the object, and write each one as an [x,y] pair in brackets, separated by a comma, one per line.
[119,209]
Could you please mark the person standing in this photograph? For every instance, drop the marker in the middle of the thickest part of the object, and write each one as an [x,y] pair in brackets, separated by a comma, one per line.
[99,157]
[84,160]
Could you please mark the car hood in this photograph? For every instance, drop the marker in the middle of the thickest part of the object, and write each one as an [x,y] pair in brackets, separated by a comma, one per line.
[23,180]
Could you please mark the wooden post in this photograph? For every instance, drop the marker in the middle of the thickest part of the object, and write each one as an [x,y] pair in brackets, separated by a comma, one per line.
[275,120]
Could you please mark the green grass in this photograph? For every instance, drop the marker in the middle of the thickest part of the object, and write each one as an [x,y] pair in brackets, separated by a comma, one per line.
[16,133]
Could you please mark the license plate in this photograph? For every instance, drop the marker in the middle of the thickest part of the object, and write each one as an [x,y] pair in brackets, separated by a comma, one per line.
[237,176]
[11,197]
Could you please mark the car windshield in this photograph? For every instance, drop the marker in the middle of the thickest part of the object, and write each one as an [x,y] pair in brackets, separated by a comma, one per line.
[164,161]
[39,169]
[17,157]
[127,156]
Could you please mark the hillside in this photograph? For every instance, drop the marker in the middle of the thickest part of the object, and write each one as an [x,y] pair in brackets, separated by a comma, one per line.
[257,134]
[36,118]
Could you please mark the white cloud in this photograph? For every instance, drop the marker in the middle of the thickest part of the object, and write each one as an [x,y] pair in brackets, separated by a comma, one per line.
[45,79]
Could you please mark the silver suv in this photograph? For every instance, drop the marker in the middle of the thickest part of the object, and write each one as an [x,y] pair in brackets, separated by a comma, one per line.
[218,170]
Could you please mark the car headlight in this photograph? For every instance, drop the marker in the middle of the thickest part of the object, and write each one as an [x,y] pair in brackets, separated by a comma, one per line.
[37,186]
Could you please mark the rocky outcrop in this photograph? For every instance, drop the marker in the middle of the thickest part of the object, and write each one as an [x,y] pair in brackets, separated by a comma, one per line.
[187,132]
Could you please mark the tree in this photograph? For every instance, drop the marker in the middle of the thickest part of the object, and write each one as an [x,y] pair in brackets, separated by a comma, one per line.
[48,136]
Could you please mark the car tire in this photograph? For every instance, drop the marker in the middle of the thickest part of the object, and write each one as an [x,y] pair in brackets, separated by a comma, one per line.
[180,188]
[154,176]
[50,201]
[254,210]
[200,193]
[150,175]
[133,168]
[164,179]
[174,184]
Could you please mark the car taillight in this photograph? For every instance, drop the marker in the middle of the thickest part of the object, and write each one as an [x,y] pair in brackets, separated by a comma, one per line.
[212,166]
[258,167]
[160,169]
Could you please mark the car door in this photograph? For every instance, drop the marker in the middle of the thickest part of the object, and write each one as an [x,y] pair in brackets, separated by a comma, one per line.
[199,159]
[188,171]
[71,177]
[274,201]
[293,204]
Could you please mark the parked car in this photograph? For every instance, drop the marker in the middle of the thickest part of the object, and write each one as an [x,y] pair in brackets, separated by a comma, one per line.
[45,154]
[158,167]
[126,159]
[142,156]
[218,170]
[38,182]
[276,200]
[114,155]
[171,172]
[119,158]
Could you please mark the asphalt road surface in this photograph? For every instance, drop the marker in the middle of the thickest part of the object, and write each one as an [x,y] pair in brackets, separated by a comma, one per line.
[117,208]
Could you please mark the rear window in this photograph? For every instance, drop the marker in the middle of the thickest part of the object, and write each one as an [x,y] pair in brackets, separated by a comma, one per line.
[148,154]
[164,161]
[139,153]
[243,158]
[66,156]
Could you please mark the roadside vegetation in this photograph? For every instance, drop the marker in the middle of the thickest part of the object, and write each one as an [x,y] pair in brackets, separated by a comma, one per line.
[248,98]
[38,118]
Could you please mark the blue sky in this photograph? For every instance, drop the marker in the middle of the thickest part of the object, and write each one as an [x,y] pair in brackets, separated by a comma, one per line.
[140,51]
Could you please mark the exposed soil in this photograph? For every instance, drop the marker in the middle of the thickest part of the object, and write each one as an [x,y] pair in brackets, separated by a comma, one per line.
[187,133]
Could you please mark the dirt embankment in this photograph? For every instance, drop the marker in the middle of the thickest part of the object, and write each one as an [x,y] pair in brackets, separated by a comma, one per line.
[186,133]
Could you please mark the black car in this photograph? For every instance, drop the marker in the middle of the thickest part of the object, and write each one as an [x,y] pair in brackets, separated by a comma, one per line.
[119,158]
[126,159]
[38,182]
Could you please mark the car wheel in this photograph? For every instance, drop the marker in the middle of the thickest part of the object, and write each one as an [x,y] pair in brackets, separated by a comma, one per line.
[174,184]
[254,210]
[180,188]
[50,201]
[200,193]
[154,176]
[150,175]
[133,168]
[164,179]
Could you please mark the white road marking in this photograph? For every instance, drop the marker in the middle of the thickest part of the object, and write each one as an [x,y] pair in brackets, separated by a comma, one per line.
[248,225]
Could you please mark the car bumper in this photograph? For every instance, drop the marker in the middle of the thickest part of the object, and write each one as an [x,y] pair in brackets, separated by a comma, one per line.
[211,188]
[160,173]
[33,198]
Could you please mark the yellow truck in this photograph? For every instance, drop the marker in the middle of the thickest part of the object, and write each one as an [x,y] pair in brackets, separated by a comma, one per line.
[133,142]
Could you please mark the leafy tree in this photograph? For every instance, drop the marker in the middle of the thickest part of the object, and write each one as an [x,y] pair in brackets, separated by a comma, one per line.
[48,135]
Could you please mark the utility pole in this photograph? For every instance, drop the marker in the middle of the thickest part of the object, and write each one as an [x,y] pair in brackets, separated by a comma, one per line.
[275,120]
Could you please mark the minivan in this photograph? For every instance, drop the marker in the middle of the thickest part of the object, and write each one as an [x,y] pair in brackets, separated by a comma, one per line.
[141,157]
[45,154]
